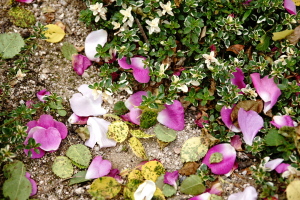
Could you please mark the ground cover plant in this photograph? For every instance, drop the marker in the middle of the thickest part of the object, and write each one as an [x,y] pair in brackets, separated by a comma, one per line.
[234,62]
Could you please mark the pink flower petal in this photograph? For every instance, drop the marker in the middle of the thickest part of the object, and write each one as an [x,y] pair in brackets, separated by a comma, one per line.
[171,178]
[35,155]
[98,129]
[280,121]
[61,127]
[238,79]
[80,63]
[75,119]
[135,99]
[85,104]
[98,168]
[29,103]
[290,6]
[229,156]
[172,116]
[250,123]
[266,89]
[48,138]
[33,184]
[282,167]
[134,115]
[45,121]
[225,115]
[41,95]
[91,42]
[204,196]
[271,165]
[249,193]
[215,189]
[114,173]
[25,1]
[236,142]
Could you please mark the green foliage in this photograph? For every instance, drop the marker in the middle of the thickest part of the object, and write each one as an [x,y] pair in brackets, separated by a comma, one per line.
[80,154]
[21,17]
[78,178]
[17,186]
[273,138]
[192,185]
[105,188]
[10,44]
[120,108]
[68,50]
[62,167]
[164,134]
[148,118]
[168,190]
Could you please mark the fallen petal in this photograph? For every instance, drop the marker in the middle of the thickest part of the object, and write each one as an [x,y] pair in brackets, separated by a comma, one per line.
[229,156]
[145,191]
[135,99]
[236,142]
[33,184]
[204,196]
[238,79]
[80,63]
[48,138]
[98,168]
[250,123]
[280,121]
[282,167]
[249,193]
[171,178]
[34,154]
[41,95]
[91,42]
[271,165]
[225,115]
[290,6]
[25,1]
[172,116]
[75,119]
[134,115]
[45,121]
[216,189]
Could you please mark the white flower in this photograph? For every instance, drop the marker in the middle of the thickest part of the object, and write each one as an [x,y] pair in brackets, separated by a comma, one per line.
[127,15]
[20,75]
[166,8]
[116,25]
[98,10]
[153,26]
[210,58]
[249,91]
[162,69]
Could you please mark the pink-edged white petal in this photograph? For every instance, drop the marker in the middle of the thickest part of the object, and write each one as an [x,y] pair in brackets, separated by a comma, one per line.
[224,166]
[134,115]
[215,189]
[250,123]
[48,138]
[80,63]
[145,191]
[290,6]
[282,167]
[173,116]
[238,79]
[25,1]
[135,99]
[98,129]
[34,154]
[236,142]
[33,184]
[42,94]
[266,89]
[225,116]
[84,104]
[91,42]
[171,178]
[271,165]
[249,193]
[98,168]
[280,121]
[75,119]
[204,196]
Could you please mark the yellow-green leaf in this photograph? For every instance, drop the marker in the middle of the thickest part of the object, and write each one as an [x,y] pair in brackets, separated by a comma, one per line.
[140,134]
[104,187]
[193,149]
[118,131]
[54,33]
[152,170]
[293,190]
[158,194]
[281,35]
[137,148]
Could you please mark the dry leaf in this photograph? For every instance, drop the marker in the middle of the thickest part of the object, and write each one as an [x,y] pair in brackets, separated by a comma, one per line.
[79,49]
[189,168]
[236,48]
[295,36]
[49,17]
[61,25]
[177,3]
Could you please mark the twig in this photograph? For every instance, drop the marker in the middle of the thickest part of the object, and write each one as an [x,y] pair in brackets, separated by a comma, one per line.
[142,30]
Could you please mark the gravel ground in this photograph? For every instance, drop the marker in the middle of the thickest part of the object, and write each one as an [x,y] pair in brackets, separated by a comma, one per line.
[48,69]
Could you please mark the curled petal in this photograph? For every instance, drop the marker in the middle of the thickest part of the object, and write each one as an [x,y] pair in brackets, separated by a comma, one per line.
[290,6]
[280,121]
[250,123]
[236,142]
[135,99]
[238,79]
[85,104]
[145,191]
[98,129]
[75,119]
[41,95]
[171,178]
[225,115]
[172,116]
[204,196]
[282,167]
[33,184]
[249,193]
[216,189]
[80,63]
[48,138]
[271,165]
[98,168]
[229,156]
[134,115]
[266,89]
[92,41]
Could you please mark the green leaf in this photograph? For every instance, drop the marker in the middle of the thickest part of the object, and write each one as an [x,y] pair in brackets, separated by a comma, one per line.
[140,134]
[192,185]
[62,113]
[104,187]
[10,44]
[78,178]
[68,50]
[193,149]
[160,182]
[246,15]
[17,186]
[120,108]
[273,138]
[264,43]
[80,154]
[168,190]
[118,131]
[164,134]
[62,167]
[137,148]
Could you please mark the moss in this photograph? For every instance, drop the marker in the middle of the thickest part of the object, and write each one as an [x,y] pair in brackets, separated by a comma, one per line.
[21,17]
[148,118]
